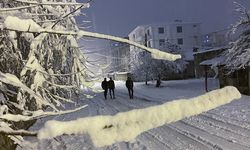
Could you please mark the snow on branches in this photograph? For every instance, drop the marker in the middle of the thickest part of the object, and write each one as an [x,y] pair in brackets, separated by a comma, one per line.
[38,69]
[238,56]
[244,18]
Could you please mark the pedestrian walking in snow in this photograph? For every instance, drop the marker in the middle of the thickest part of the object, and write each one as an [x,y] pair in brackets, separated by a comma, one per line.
[130,85]
[105,87]
[111,86]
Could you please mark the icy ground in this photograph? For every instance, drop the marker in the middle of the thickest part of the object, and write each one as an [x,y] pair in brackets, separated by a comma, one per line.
[226,127]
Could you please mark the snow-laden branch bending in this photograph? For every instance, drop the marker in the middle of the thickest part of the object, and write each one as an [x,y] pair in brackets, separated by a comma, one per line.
[85,5]
[30,26]
[37,114]
[14,81]
[125,126]
[60,19]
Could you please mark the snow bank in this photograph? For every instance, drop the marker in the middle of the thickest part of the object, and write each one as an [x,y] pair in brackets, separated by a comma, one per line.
[125,126]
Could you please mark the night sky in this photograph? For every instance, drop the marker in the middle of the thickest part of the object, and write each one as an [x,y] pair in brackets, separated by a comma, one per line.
[119,17]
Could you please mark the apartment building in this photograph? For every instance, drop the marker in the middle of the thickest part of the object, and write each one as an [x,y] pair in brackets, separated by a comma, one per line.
[184,34]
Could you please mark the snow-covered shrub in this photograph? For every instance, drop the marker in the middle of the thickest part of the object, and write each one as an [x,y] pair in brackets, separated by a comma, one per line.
[150,69]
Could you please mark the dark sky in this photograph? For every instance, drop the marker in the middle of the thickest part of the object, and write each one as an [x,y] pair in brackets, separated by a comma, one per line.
[119,17]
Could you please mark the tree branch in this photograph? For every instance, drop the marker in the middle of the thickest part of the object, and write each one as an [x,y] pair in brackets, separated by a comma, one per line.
[69,14]
[157,54]
[16,8]
[37,115]
[84,5]
[19,132]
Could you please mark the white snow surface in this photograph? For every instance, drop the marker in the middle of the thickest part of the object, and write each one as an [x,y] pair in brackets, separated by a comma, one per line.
[225,127]
[106,130]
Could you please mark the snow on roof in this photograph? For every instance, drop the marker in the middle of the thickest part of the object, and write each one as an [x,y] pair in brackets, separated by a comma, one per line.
[214,61]
[121,72]
[210,50]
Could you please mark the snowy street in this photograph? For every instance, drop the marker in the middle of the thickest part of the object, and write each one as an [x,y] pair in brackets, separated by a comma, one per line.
[226,127]
[178,72]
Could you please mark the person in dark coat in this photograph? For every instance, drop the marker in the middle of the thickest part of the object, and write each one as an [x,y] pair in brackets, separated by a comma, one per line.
[105,87]
[111,86]
[130,85]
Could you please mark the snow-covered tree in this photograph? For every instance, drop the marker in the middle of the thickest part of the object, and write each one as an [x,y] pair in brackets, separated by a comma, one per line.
[41,63]
[238,56]
[39,69]
[149,68]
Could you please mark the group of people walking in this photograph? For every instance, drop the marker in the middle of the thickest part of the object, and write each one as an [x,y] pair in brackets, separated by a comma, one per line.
[110,86]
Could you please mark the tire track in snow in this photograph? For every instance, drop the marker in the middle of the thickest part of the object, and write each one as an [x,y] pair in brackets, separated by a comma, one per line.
[227,125]
[234,121]
[220,131]
[211,139]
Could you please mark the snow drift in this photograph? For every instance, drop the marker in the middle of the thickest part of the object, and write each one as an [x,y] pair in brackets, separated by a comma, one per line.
[125,126]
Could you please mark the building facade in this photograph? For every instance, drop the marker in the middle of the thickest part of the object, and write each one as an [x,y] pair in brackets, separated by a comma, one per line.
[186,35]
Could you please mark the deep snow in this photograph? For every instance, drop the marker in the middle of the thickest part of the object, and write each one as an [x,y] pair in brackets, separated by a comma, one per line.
[226,127]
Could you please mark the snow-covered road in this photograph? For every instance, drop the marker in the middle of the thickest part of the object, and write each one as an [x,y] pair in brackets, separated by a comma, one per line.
[226,127]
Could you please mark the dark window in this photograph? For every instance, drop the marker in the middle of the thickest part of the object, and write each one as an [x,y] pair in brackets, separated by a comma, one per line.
[161,42]
[180,41]
[161,30]
[179,29]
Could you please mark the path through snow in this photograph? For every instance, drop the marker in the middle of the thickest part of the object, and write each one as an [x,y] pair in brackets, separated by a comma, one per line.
[226,127]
